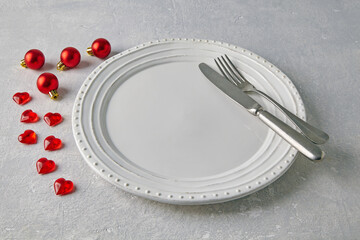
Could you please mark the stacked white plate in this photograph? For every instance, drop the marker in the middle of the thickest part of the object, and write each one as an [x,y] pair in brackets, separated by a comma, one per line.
[148,121]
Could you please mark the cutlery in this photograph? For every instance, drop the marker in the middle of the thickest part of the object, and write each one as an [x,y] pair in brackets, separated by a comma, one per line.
[298,141]
[230,72]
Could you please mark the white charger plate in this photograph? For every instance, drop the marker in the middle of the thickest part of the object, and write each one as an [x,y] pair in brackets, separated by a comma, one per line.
[148,121]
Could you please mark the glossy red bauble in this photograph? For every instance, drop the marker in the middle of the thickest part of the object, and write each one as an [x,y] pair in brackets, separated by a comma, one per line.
[28,116]
[100,48]
[44,166]
[69,58]
[28,137]
[52,143]
[63,187]
[48,83]
[33,59]
[21,98]
[52,119]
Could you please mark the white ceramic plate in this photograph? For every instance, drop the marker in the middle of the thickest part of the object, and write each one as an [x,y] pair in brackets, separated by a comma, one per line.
[148,121]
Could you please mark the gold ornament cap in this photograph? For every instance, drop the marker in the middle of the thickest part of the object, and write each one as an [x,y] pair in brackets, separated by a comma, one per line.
[90,51]
[23,64]
[53,94]
[61,66]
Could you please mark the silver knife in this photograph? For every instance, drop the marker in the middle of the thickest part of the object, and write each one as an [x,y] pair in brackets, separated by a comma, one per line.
[294,138]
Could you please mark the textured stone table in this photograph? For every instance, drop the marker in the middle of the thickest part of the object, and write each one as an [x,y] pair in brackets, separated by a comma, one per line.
[316,43]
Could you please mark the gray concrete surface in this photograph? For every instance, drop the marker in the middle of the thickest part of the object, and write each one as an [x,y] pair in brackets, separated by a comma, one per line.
[316,43]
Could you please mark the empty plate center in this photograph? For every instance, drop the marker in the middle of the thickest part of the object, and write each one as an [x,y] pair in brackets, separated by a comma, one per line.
[172,122]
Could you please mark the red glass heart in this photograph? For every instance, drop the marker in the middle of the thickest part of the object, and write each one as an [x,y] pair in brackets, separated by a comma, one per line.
[28,116]
[53,119]
[62,186]
[52,143]
[28,137]
[44,166]
[21,97]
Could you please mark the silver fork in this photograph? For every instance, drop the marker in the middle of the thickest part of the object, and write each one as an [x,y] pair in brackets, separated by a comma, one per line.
[232,74]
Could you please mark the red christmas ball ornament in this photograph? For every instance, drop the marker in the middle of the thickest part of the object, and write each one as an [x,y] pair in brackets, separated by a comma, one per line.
[100,48]
[33,59]
[48,83]
[69,58]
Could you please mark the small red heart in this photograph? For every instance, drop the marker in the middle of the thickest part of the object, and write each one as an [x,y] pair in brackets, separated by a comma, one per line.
[28,116]
[28,137]
[44,166]
[52,119]
[62,186]
[52,143]
[21,98]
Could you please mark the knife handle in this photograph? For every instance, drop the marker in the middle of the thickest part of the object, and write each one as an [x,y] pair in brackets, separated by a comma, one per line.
[298,141]
[312,133]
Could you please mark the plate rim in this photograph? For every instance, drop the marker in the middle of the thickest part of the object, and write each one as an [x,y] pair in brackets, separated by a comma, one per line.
[185,198]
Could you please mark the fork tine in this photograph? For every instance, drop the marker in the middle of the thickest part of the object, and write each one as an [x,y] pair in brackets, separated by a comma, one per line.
[217,64]
[240,76]
[224,72]
[227,73]
[233,74]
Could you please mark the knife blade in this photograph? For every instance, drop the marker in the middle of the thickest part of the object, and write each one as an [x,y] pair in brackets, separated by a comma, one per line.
[233,92]
[293,137]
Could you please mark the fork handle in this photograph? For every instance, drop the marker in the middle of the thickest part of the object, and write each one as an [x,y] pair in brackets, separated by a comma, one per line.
[298,141]
[312,133]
